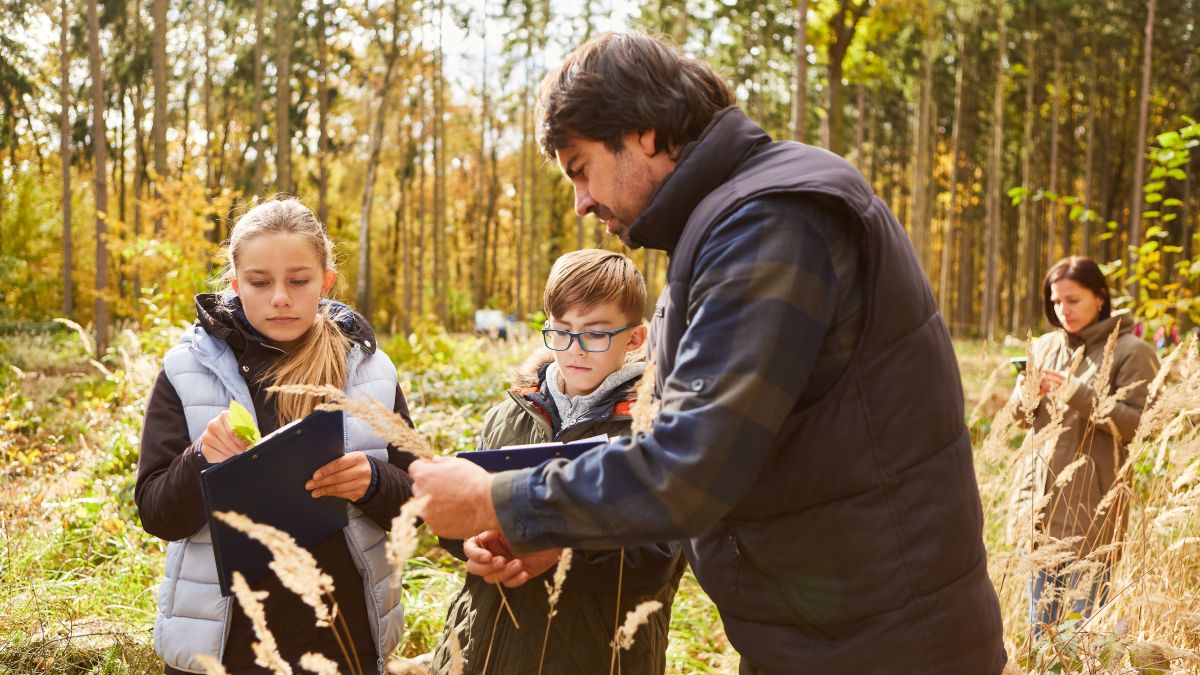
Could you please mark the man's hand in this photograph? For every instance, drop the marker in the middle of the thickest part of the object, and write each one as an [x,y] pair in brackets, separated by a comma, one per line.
[489,556]
[347,477]
[460,496]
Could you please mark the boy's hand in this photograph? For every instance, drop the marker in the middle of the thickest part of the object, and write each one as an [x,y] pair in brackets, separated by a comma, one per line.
[460,495]
[489,556]
[218,443]
[347,477]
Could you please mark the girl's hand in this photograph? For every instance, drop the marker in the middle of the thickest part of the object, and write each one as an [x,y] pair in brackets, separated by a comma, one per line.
[1051,380]
[347,477]
[218,443]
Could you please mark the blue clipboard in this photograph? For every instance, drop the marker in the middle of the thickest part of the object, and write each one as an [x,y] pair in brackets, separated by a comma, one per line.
[526,456]
[266,484]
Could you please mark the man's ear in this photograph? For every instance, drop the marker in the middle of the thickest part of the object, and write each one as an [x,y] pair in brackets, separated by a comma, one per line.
[329,281]
[645,140]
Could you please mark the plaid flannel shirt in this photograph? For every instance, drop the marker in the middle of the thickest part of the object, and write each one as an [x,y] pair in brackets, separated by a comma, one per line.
[776,307]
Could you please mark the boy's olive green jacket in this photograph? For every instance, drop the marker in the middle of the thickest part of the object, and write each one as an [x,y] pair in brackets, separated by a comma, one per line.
[587,610]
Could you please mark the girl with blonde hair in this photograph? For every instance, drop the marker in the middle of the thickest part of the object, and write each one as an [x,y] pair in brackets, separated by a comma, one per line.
[273,324]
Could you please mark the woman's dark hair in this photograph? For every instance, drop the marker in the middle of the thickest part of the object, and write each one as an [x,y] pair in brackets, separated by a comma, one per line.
[1083,271]
[619,83]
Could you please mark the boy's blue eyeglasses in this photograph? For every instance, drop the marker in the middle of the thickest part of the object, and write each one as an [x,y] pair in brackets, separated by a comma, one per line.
[589,340]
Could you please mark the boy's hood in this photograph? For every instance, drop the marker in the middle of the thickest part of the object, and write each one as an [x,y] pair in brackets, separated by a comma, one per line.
[530,373]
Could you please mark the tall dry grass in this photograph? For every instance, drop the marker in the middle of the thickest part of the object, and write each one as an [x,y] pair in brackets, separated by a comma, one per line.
[1151,620]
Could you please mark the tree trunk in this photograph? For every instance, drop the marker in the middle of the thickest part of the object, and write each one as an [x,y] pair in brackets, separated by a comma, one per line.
[995,180]
[99,148]
[139,156]
[256,188]
[1052,207]
[159,67]
[1139,157]
[362,291]
[844,26]
[949,235]
[481,239]
[800,94]
[323,145]
[208,119]
[1025,232]
[64,144]
[920,222]
[440,263]
[1089,164]
[283,102]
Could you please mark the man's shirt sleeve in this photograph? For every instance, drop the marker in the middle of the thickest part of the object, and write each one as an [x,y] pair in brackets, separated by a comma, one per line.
[761,304]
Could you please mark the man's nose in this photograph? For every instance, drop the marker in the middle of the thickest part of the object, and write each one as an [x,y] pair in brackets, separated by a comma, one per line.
[584,204]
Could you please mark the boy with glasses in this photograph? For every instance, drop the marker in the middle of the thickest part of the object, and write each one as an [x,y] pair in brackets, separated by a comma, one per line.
[582,387]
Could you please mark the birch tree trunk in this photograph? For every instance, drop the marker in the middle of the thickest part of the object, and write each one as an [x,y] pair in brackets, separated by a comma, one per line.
[64,145]
[995,180]
[99,149]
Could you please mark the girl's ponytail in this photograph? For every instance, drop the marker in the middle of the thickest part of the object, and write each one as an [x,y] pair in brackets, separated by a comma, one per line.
[318,358]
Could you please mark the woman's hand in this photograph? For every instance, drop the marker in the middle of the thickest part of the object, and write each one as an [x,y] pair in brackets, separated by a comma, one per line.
[347,477]
[218,443]
[1051,380]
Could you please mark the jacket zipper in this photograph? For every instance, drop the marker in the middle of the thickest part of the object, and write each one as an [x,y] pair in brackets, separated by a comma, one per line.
[362,561]
[737,566]
[225,633]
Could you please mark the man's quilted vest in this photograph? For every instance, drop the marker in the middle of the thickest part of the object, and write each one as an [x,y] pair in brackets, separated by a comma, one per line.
[862,536]
[193,616]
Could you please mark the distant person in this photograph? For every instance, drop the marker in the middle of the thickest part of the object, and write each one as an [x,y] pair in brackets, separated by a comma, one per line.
[811,444]
[1077,301]
[582,387]
[273,325]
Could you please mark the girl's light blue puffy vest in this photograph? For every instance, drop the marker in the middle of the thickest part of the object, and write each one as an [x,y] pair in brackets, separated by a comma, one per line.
[193,616]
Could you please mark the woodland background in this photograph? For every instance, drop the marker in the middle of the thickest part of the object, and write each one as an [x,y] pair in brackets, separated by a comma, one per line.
[1004,135]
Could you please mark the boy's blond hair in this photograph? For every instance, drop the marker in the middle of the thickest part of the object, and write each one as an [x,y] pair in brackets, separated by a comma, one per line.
[583,279]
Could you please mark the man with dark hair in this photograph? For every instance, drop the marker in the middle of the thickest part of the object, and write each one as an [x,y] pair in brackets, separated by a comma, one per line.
[810,443]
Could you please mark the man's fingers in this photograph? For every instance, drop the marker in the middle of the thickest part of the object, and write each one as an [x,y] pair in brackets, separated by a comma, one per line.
[517,580]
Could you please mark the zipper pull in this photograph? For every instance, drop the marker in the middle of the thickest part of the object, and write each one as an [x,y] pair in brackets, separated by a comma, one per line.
[737,559]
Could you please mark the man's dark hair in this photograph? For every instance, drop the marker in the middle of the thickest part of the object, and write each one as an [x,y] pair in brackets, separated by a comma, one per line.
[1083,271]
[619,83]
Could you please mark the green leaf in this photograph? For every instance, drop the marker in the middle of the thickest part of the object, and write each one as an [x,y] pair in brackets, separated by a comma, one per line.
[1169,217]
[243,424]
[1168,139]
[1155,185]
[1172,202]
[1153,198]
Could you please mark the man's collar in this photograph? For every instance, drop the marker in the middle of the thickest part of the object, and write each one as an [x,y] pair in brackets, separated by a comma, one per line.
[703,165]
